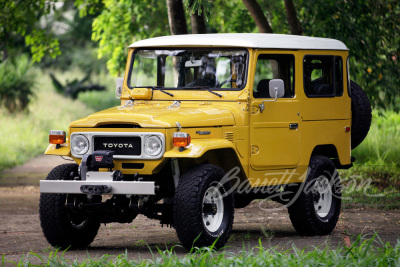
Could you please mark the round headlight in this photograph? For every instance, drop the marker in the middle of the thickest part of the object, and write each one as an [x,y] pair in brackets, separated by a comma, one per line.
[153,146]
[79,144]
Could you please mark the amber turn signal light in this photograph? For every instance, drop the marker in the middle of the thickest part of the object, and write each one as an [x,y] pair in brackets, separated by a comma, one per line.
[57,137]
[181,139]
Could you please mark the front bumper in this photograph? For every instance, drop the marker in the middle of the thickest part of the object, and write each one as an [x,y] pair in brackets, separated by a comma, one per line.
[97,183]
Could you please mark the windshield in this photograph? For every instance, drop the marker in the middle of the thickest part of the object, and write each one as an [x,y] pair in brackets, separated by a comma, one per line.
[189,68]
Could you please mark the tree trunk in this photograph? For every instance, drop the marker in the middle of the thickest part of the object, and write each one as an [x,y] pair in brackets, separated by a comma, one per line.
[197,21]
[258,16]
[295,26]
[176,17]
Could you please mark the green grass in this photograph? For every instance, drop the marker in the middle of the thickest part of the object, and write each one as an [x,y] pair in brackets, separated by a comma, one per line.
[25,135]
[371,186]
[362,252]
[381,147]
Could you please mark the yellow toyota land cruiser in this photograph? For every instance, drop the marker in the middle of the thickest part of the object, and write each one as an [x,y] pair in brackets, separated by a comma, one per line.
[208,123]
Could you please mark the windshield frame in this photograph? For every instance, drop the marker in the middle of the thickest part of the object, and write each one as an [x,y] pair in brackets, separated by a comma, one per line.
[246,70]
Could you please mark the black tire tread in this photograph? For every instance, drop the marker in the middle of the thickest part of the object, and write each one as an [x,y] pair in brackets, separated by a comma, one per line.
[54,216]
[361,114]
[187,214]
[302,213]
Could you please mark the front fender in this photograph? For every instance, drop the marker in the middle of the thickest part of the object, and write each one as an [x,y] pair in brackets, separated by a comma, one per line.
[63,150]
[198,147]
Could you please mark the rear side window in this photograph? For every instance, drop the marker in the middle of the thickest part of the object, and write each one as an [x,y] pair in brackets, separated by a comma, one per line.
[323,76]
[339,76]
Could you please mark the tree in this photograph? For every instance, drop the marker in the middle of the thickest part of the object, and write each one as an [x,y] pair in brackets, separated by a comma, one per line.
[21,18]
[371,30]
[176,17]
[258,16]
[120,23]
[197,17]
[295,26]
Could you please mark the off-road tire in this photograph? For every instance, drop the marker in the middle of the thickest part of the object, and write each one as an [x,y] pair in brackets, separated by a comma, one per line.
[188,207]
[302,212]
[55,219]
[361,114]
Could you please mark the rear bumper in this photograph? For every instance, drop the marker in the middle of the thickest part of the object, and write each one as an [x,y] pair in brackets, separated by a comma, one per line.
[116,187]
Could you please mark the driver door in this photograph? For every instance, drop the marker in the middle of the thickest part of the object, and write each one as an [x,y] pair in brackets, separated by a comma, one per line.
[274,132]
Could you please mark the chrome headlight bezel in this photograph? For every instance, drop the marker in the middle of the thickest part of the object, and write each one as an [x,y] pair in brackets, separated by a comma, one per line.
[83,138]
[155,140]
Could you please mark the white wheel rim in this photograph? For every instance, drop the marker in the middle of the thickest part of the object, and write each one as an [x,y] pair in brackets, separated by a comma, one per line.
[213,197]
[322,196]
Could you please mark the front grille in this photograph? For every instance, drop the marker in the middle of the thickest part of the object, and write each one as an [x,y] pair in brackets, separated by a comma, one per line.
[121,145]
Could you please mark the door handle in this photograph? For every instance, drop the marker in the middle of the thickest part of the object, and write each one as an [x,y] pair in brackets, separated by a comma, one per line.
[293,125]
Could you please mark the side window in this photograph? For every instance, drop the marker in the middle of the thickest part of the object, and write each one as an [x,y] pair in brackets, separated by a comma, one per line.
[273,67]
[318,76]
[348,76]
[339,76]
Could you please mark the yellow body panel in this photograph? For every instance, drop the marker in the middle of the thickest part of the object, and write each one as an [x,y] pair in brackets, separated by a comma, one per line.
[64,150]
[198,147]
[268,151]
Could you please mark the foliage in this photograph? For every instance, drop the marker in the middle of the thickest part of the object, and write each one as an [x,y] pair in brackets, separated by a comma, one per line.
[378,148]
[17,83]
[22,18]
[362,252]
[199,7]
[75,87]
[121,23]
[230,17]
[371,30]
[79,51]
[99,100]
[24,136]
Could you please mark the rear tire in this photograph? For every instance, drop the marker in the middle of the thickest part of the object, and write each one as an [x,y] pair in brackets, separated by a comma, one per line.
[316,207]
[202,213]
[65,228]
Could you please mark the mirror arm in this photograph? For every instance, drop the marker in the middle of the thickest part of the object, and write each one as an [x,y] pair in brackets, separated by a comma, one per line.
[262,106]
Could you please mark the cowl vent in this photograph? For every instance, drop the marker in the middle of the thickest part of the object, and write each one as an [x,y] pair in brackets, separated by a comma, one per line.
[118,126]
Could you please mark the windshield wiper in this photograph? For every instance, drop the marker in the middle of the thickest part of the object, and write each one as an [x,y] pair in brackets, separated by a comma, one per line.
[203,88]
[156,88]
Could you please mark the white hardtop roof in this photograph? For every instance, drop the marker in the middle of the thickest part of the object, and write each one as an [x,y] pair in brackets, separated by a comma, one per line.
[251,40]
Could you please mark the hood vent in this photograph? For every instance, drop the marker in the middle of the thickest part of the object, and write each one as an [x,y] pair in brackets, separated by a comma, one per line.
[229,136]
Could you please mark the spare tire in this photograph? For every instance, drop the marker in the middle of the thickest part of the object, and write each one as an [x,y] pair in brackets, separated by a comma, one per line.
[361,114]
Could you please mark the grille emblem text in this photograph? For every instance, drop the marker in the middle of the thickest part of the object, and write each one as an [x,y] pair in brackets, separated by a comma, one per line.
[111,145]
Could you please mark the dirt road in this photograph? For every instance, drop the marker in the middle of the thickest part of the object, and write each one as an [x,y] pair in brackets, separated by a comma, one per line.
[20,230]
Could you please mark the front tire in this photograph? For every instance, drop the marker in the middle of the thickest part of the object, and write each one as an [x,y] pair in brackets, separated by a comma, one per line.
[316,207]
[64,227]
[203,211]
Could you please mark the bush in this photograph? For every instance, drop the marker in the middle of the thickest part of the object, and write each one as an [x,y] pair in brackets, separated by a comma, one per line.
[18,79]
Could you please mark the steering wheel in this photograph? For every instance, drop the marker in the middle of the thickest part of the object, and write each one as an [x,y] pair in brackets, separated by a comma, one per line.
[224,82]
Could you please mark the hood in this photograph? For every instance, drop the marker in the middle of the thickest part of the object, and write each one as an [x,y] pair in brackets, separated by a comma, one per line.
[158,116]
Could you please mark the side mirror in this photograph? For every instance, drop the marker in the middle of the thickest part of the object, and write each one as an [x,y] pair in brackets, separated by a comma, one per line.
[118,90]
[276,90]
